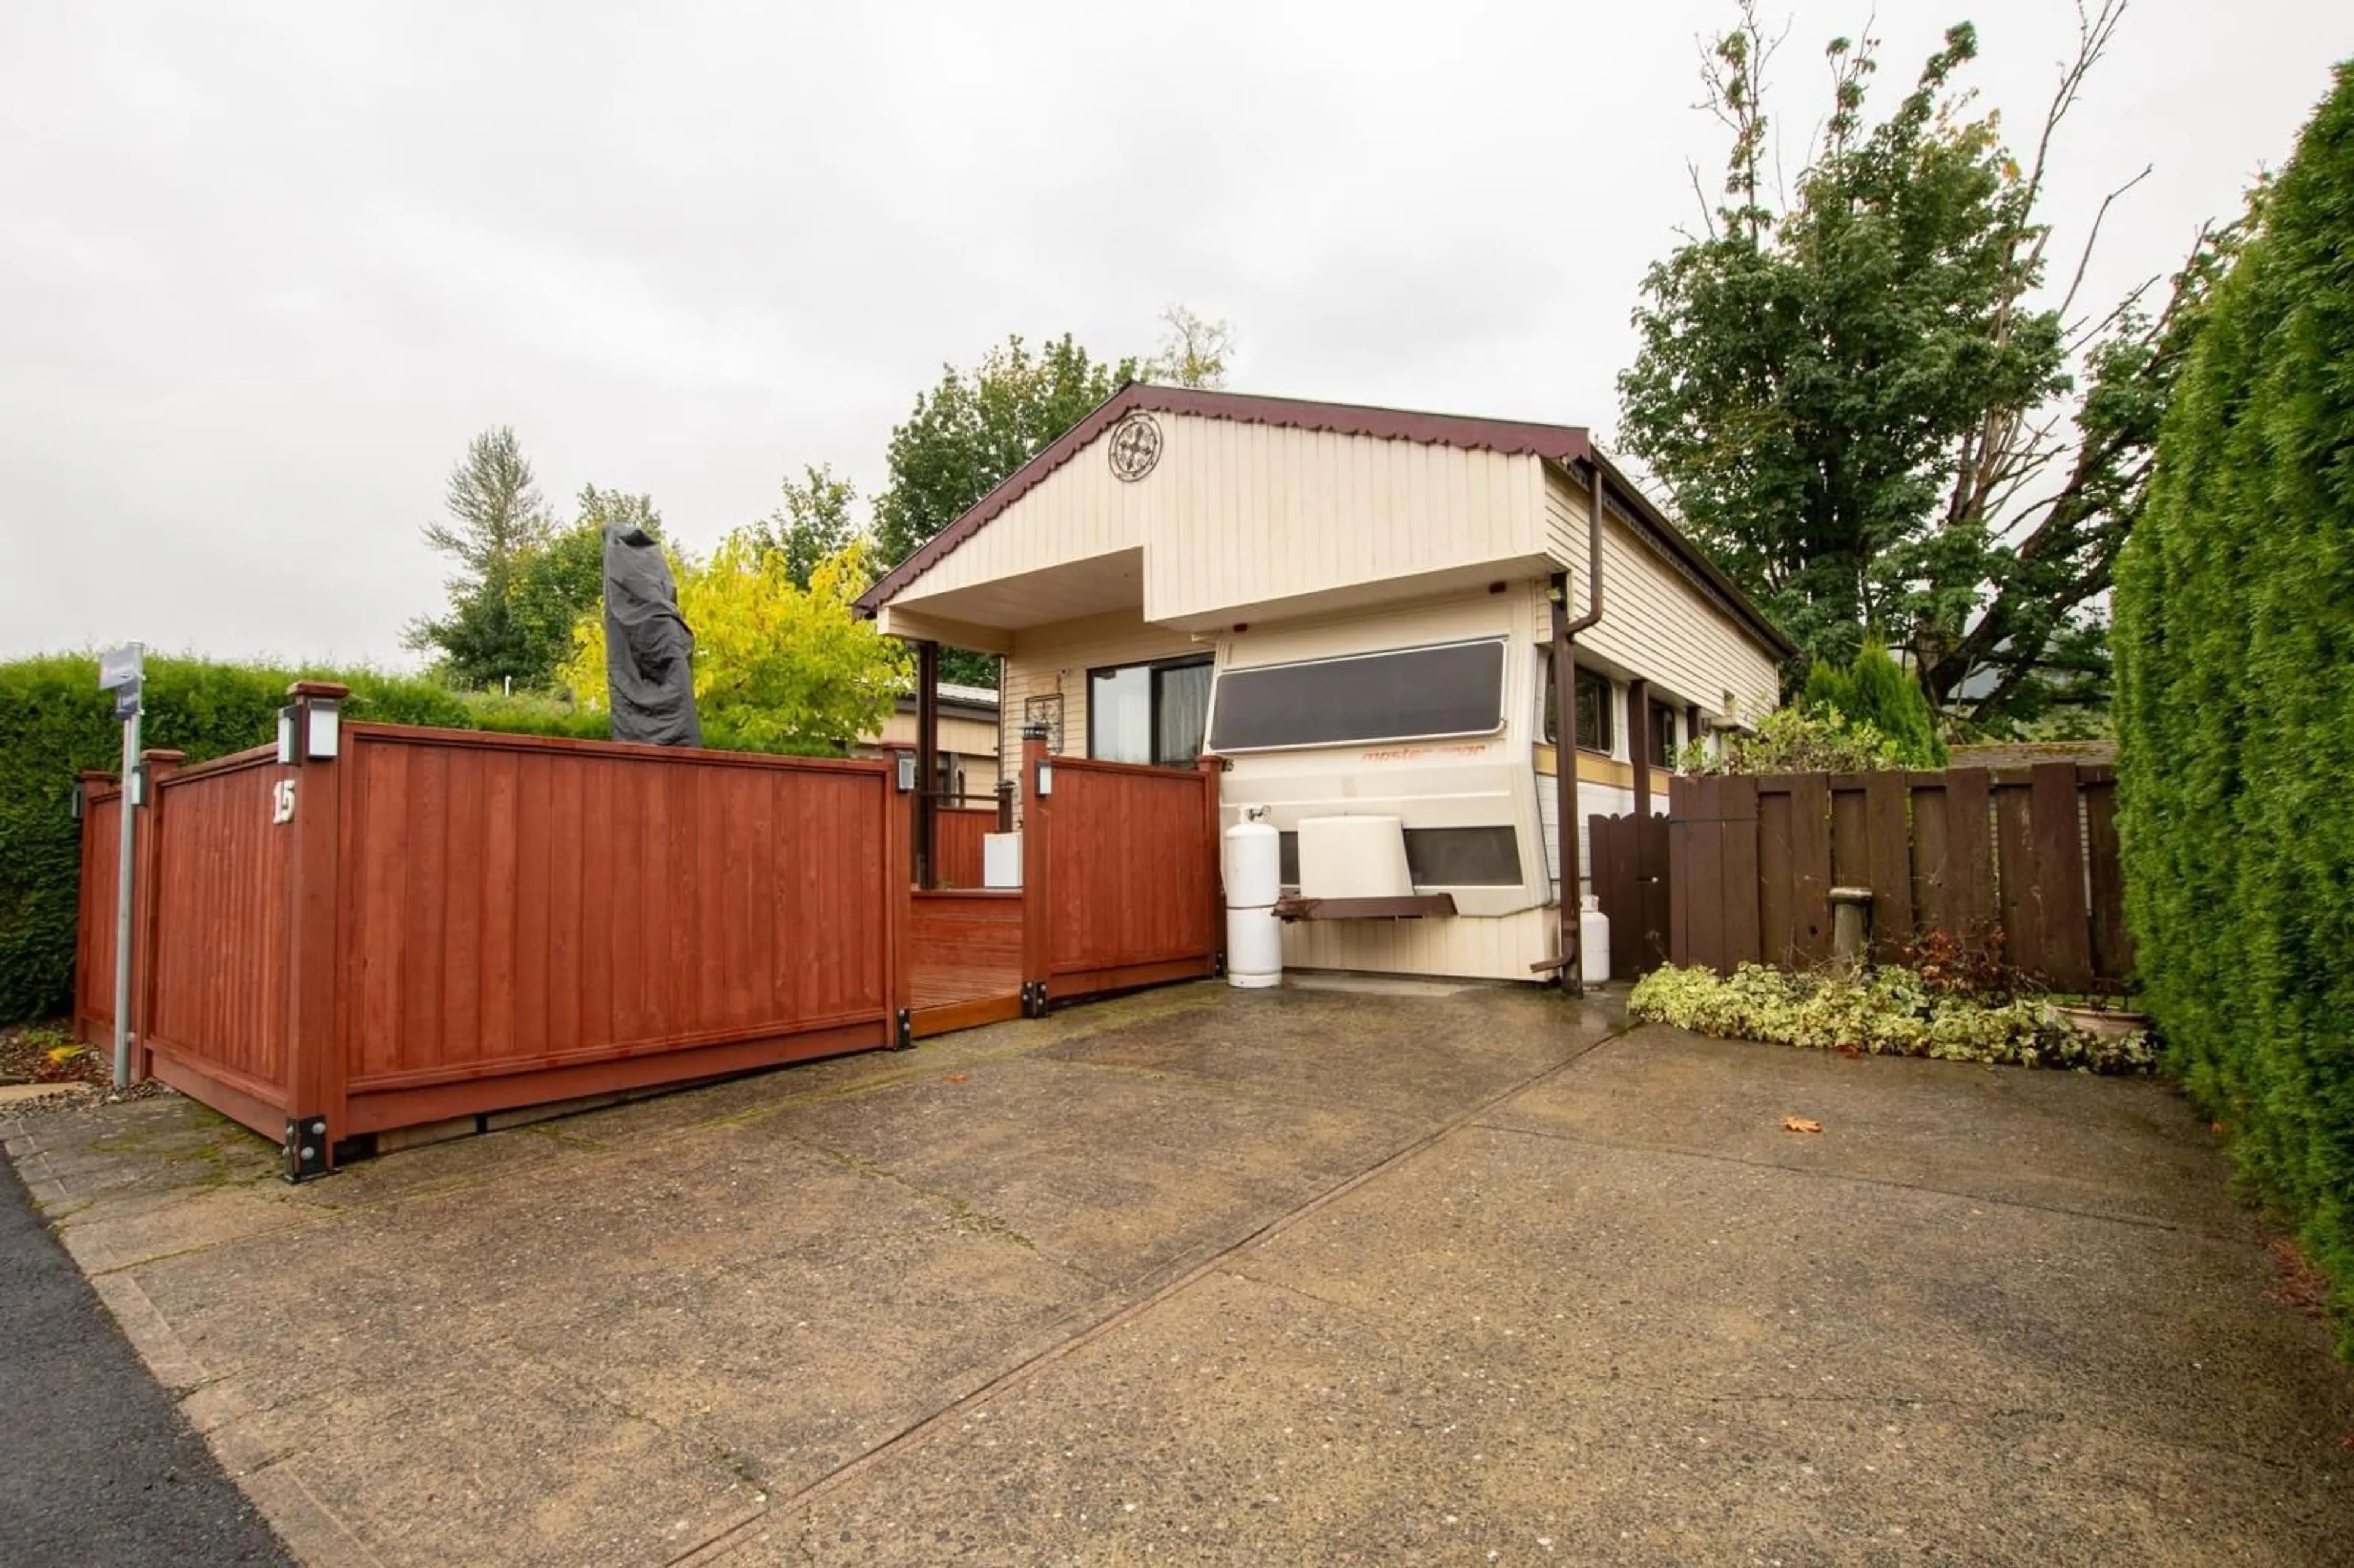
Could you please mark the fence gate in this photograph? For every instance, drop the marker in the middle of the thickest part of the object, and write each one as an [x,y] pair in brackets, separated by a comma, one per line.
[1630,858]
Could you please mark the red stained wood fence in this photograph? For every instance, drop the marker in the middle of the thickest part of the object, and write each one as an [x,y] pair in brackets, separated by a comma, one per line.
[957,844]
[1122,862]
[101,859]
[432,924]
[2030,853]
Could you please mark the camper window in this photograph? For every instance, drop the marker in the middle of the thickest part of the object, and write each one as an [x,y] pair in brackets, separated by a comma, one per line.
[1411,693]
[1594,730]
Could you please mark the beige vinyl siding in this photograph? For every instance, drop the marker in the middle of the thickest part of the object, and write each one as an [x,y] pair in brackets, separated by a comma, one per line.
[1655,623]
[1463,946]
[1077,511]
[1269,514]
[974,743]
[1056,658]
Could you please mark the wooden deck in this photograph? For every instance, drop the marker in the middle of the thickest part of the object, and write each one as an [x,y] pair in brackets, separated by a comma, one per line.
[964,959]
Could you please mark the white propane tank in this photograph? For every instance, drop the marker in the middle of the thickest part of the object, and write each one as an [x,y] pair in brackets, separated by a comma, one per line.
[1253,882]
[1593,942]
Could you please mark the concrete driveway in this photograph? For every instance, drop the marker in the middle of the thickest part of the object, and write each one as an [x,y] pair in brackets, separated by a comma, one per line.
[1314,1275]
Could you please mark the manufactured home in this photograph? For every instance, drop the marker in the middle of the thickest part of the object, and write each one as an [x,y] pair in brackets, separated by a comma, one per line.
[1364,613]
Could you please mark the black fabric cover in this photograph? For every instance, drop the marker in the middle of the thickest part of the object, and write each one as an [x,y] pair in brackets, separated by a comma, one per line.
[649,650]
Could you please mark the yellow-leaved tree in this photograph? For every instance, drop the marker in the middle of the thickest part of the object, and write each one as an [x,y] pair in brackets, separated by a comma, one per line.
[777,667]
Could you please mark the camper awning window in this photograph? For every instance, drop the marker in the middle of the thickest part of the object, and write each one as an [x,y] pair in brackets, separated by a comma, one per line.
[1411,693]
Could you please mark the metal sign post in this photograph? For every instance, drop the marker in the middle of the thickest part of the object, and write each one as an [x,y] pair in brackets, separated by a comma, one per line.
[119,671]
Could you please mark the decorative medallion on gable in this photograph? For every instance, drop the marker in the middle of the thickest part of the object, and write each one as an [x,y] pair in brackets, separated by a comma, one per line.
[1135,447]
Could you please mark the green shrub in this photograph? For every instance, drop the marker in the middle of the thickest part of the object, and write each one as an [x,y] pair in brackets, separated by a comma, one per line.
[1797,740]
[2236,715]
[1875,692]
[55,722]
[1891,1012]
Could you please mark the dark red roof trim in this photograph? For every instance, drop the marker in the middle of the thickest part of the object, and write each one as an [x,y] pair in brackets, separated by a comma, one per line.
[1511,438]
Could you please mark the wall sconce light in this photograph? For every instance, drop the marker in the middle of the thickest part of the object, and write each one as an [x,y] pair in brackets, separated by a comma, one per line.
[326,721]
[906,762]
[286,735]
[1046,779]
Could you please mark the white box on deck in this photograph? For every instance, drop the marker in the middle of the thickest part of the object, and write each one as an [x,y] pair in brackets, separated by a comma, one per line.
[1353,857]
[1001,860]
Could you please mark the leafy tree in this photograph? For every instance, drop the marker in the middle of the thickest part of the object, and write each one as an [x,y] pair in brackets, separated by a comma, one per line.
[1869,410]
[494,519]
[1193,352]
[978,425]
[778,667]
[813,522]
[2235,717]
[970,432]
[1875,690]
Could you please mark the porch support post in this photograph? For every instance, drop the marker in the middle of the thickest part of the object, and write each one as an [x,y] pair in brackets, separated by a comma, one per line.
[1564,782]
[927,761]
[1692,722]
[1639,742]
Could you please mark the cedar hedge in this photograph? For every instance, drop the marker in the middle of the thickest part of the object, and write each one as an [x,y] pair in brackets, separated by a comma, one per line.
[2235,654]
[55,722]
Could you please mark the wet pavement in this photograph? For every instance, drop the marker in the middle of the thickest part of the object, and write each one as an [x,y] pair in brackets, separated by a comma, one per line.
[1307,1276]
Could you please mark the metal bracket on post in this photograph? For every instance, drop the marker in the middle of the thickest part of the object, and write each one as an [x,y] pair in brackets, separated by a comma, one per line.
[904,1033]
[306,1147]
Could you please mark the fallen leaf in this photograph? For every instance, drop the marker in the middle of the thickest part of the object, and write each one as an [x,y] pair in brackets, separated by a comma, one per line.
[1800,1124]
[953,1077]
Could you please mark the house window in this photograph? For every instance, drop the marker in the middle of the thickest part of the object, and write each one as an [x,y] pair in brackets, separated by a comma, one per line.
[1411,693]
[1663,736]
[1595,729]
[1149,712]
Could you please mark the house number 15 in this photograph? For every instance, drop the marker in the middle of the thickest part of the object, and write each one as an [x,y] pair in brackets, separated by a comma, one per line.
[281,802]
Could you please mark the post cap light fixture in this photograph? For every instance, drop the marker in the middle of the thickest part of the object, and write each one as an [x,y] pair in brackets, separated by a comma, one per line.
[321,731]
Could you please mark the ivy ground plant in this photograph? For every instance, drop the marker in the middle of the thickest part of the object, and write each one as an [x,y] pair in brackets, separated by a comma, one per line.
[1891,1012]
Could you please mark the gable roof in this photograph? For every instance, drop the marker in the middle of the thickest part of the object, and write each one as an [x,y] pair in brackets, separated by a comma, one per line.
[1562,444]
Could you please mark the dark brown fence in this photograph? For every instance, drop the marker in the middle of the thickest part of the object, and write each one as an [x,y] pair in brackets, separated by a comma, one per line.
[1629,874]
[2030,853]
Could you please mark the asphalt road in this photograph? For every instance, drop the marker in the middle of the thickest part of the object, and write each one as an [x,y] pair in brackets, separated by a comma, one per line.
[97,1466]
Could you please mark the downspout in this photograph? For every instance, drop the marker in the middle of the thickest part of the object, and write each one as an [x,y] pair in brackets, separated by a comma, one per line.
[1564,705]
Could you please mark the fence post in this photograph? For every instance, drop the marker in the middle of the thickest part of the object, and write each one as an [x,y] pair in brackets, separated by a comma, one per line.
[1005,805]
[1213,769]
[315,1062]
[1037,892]
[159,766]
[87,930]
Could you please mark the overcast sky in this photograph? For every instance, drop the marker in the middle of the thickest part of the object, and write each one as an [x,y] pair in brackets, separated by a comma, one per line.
[264,268]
